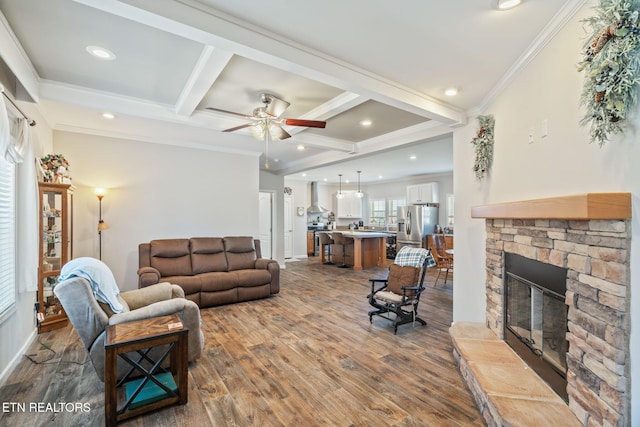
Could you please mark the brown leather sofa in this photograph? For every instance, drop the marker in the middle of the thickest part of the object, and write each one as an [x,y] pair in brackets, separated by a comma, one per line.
[211,270]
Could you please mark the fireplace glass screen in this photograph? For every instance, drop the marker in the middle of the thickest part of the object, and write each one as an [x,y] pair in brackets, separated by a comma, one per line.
[535,323]
[539,318]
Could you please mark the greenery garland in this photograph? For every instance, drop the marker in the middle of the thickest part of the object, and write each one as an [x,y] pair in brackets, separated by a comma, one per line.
[484,146]
[612,68]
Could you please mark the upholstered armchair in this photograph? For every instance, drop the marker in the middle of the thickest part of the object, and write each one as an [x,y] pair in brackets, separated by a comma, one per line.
[90,317]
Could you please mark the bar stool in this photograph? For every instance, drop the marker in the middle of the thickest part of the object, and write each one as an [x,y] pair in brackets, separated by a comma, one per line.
[341,239]
[326,240]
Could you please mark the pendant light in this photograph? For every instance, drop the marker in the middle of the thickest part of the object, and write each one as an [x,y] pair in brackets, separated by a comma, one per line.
[359,194]
[340,195]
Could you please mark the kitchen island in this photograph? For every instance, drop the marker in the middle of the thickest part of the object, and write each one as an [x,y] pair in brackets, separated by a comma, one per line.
[369,249]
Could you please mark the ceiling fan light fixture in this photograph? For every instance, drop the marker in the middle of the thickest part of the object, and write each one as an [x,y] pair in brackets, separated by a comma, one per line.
[507,4]
[258,131]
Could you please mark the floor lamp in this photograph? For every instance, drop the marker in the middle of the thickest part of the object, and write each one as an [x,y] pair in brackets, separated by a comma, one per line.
[101,224]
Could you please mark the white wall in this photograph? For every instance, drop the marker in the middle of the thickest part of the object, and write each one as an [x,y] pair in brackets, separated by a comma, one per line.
[17,331]
[301,198]
[275,184]
[563,163]
[155,191]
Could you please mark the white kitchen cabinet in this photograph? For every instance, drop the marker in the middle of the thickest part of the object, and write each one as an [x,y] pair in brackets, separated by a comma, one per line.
[350,206]
[422,193]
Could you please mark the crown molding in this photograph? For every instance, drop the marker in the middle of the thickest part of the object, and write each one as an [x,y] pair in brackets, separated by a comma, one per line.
[568,10]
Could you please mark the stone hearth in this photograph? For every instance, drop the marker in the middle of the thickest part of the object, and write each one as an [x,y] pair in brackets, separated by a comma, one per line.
[589,235]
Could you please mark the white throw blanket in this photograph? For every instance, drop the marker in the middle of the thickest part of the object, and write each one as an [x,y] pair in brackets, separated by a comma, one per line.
[103,284]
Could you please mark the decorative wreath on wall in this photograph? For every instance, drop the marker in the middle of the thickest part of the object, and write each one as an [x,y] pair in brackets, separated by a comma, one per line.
[484,146]
[612,68]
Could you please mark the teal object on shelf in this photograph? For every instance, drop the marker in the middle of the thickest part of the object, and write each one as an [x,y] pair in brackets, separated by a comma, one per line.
[151,392]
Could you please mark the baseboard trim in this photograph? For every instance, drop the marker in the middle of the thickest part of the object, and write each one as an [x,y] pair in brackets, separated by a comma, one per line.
[4,375]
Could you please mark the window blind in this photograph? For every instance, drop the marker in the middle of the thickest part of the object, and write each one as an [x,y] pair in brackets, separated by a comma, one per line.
[7,237]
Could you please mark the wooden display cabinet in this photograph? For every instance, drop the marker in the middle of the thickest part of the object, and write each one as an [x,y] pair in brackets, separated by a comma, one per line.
[56,236]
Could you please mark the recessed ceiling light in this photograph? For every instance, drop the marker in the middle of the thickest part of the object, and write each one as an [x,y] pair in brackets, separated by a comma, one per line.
[507,4]
[412,157]
[347,181]
[452,91]
[101,53]
[325,179]
[108,116]
[300,147]
[304,174]
[380,176]
[365,123]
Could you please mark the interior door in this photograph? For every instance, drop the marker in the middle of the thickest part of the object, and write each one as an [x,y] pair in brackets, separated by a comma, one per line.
[288,226]
[265,228]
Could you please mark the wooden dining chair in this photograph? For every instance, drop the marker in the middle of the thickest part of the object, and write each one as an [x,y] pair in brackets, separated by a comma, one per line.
[445,261]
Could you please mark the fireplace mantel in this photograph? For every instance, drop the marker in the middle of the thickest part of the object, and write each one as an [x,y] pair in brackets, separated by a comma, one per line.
[577,207]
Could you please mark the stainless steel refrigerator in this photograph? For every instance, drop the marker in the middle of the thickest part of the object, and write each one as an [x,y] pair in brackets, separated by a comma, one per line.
[414,223]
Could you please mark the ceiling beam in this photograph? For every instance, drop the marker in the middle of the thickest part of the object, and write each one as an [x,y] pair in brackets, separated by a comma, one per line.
[339,104]
[199,22]
[207,70]
[392,140]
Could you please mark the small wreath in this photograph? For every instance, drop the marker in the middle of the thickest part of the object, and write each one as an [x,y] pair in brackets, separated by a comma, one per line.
[484,146]
[612,68]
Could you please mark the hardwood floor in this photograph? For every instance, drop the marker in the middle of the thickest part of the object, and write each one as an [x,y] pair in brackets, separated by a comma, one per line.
[306,357]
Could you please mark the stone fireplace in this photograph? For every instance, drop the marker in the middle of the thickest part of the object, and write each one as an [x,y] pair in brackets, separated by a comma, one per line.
[588,236]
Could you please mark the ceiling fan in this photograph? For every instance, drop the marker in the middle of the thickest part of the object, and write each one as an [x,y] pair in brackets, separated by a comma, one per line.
[266,123]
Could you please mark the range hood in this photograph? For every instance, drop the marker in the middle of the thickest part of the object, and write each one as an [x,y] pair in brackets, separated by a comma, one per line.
[315,208]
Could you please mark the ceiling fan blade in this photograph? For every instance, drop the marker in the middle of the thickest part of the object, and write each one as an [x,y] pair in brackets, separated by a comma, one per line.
[238,127]
[303,122]
[274,106]
[230,112]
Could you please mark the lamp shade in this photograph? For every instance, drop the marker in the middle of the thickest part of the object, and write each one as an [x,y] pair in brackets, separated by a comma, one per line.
[102,225]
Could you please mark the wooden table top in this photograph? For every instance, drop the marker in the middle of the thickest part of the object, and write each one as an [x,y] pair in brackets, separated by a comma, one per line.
[143,329]
[359,234]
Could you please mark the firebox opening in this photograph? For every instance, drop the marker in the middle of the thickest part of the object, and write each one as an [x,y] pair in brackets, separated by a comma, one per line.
[536,317]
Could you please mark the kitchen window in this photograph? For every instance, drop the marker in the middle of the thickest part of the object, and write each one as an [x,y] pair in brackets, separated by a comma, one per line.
[393,205]
[385,211]
[378,212]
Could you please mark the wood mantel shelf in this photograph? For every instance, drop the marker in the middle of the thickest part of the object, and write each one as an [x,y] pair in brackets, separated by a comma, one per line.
[579,207]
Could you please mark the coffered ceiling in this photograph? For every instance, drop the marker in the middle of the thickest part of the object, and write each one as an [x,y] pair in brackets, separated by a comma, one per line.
[341,62]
